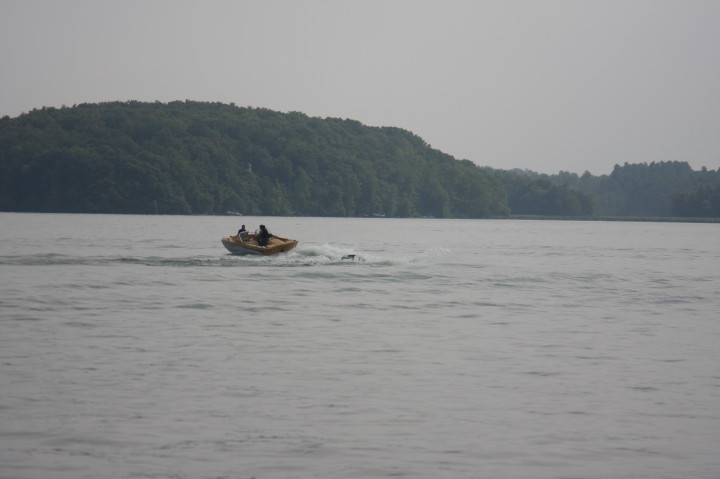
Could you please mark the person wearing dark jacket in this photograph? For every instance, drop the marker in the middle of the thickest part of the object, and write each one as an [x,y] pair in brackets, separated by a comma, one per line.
[263,236]
[242,234]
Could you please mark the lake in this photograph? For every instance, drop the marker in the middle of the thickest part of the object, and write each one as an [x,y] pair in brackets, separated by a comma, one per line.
[137,347]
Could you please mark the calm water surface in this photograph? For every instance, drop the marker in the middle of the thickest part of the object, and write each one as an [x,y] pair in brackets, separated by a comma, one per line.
[136,347]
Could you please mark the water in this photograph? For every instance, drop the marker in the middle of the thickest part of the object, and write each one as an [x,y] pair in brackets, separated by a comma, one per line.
[136,347]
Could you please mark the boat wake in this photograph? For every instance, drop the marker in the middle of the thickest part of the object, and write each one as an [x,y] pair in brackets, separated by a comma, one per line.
[341,255]
[308,255]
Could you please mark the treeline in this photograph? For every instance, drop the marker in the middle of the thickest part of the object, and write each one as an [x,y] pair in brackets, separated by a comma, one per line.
[530,193]
[703,201]
[657,189]
[661,189]
[208,158]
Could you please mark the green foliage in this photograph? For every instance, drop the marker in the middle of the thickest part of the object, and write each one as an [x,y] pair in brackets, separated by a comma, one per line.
[702,201]
[207,158]
[652,190]
[532,194]
[661,189]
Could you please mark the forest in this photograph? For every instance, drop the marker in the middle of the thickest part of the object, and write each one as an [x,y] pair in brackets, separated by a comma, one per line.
[211,158]
[657,189]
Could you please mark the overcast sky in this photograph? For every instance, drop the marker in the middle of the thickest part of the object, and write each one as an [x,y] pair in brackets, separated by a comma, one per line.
[546,85]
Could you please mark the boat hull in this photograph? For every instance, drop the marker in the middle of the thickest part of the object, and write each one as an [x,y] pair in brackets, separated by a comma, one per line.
[275,245]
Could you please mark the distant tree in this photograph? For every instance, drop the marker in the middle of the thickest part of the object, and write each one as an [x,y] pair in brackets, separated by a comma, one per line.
[538,195]
[703,201]
[640,189]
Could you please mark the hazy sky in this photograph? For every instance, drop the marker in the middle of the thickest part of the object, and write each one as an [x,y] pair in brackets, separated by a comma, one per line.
[546,85]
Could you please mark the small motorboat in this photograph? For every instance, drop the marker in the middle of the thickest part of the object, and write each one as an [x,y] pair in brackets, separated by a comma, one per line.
[248,245]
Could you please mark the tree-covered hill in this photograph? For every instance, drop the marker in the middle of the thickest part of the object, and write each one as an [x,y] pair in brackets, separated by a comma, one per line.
[207,158]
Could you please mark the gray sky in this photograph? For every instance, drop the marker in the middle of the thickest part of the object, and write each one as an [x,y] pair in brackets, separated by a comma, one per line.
[546,85]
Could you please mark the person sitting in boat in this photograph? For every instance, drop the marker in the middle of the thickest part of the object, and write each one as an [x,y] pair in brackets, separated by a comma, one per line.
[263,236]
[242,234]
